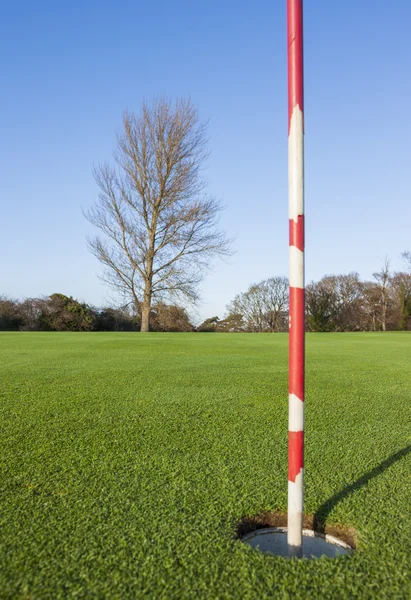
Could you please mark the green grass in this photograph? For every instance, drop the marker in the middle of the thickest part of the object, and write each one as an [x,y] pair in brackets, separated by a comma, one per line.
[127,460]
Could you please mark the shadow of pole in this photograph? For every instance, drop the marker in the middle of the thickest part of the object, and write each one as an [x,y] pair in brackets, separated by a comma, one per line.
[321,515]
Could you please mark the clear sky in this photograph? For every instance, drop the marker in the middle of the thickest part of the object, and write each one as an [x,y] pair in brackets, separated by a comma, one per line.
[69,69]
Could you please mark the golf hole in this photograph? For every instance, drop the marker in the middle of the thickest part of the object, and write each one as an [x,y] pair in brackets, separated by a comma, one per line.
[267,533]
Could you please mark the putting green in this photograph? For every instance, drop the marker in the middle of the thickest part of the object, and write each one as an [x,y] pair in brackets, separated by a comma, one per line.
[127,461]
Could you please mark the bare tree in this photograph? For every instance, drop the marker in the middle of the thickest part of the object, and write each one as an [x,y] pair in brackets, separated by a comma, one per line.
[350,294]
[383,282]
[32,310]
[275,298]
[335,303]
[10,314]
[264,306]
[321,305]
[250,305]
[159,224]
[171,318]
[371,306]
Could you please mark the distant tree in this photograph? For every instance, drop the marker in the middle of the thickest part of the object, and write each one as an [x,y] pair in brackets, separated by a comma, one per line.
[10,315]
[321,306]
[275,299]
[400,292]
[232,323]
[31,310]
[63,313]
[371,306]
[264,306]
[382,278]
[335,303]
[159,226]
[115,319]
[349,292]
[170,318]
[250,305]
[209,325]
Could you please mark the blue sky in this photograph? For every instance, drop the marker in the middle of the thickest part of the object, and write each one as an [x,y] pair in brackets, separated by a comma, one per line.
[69,69]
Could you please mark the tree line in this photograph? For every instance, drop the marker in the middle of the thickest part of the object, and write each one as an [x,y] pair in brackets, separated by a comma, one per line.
[335,303]
[63,313]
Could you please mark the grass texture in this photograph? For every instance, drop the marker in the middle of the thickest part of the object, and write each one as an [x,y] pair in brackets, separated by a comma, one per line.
[127,461]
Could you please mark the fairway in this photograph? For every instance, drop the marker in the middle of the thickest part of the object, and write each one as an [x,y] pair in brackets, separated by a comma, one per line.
[127,461]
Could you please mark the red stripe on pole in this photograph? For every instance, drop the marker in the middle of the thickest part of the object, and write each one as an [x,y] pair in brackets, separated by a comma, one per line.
[295,454]
[295,56]
[296,343]
[297,233]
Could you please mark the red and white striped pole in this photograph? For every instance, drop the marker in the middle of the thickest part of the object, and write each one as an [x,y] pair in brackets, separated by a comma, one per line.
[296,329]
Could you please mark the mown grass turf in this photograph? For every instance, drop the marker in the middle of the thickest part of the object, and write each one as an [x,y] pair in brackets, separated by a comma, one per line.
[127,461]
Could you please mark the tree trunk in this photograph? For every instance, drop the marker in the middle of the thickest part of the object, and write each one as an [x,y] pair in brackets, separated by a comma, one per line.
[148,288]
[145,308]
[384,313]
